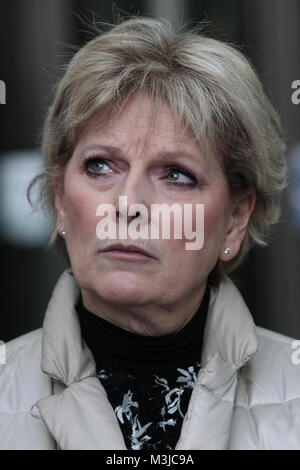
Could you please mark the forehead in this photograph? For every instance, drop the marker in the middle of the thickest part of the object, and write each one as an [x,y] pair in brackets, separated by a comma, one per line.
[140,122]
[143,129]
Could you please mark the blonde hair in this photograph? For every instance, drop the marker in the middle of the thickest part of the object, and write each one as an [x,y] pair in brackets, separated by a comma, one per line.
[209,85]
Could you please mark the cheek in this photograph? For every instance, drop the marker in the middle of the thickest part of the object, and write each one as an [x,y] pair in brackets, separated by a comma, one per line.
[81,204]
[214,225]
[178,257]
[206,224]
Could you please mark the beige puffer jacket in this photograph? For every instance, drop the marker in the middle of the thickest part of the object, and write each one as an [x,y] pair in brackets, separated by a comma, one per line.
[247,395]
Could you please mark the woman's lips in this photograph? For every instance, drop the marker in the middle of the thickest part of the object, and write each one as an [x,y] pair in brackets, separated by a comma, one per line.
[127,255]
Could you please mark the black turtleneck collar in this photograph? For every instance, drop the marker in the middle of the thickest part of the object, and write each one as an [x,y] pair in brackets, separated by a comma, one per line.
[107,340]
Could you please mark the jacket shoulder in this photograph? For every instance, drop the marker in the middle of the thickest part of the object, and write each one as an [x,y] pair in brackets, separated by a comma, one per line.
[25,340]
[267,405]
[21,379]
[22,383]
[273,336]
[23,345]
[271,375]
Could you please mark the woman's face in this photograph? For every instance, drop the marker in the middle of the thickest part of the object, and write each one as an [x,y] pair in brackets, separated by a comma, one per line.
[129,160]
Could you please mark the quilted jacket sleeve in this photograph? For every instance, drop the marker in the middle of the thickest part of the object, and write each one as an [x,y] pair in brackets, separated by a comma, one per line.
[22,383]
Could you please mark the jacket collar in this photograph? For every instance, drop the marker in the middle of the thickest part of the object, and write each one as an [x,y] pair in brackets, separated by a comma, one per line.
[230,331]
[229,341]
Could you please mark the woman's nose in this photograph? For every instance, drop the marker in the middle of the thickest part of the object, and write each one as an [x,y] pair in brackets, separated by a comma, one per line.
[135,192]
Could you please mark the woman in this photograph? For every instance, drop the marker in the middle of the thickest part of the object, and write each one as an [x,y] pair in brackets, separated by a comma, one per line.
[147,344]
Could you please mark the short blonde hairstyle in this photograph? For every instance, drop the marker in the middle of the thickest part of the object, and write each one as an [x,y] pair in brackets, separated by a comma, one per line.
[210,87]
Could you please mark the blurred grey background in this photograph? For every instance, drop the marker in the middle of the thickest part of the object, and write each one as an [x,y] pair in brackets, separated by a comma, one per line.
[34,39]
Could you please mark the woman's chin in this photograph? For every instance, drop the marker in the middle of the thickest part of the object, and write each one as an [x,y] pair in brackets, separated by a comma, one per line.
[126,297]
[126,291]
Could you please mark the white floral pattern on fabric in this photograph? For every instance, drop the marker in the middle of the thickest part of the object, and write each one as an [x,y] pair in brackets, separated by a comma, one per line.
[125,407]
[170,411]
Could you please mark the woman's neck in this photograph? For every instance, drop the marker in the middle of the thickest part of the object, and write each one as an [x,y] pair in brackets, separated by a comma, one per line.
[146,320]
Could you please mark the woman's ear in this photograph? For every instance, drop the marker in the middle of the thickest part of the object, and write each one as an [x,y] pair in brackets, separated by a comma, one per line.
[242,208]
[59,204]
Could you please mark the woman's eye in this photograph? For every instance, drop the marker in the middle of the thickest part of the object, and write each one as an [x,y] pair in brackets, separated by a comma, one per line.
[97,166]
[179,176]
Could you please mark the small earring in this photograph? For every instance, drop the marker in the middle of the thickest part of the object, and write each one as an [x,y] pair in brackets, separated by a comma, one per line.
[227,251]
[62,231]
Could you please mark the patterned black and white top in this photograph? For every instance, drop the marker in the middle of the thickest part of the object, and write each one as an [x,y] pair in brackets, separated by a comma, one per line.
[148,380]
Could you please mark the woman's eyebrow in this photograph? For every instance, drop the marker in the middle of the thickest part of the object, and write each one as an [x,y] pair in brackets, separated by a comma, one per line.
[176,154]
[107,148]
[168,154]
